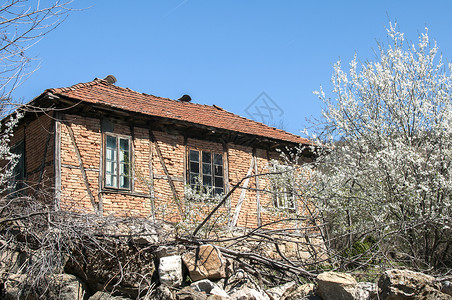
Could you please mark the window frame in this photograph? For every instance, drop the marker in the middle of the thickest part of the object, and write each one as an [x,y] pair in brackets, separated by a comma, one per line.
[283,194]
[17,179]
[201,174]
[117,162]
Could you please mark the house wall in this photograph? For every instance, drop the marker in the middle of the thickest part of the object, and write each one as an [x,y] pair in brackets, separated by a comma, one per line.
[152,194]
[38,137]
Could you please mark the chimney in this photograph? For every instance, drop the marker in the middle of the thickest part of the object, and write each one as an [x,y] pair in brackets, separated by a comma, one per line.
[185,98]
[110,79]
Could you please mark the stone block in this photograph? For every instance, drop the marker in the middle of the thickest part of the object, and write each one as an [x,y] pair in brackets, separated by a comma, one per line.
[170,270]
[336,286]
[206,262]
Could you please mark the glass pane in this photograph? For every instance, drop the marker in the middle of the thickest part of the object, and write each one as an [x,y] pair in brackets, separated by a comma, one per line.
[111,142]
[194,167]
[124,156]
[110,153]
[218,159]
[290,202]
[124,169]
[194,155]
[218,191]
[124,144]
[111,148]
[206,169]
[124,182]
[219,182]
[193,179]
[110,180]
[218,171]
[207,180]
[206,157]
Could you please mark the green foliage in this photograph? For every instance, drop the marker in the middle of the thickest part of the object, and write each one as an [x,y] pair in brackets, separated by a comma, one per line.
[361,248]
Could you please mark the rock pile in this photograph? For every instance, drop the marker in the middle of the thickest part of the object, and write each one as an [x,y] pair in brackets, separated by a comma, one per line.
[203,273]
[214,278]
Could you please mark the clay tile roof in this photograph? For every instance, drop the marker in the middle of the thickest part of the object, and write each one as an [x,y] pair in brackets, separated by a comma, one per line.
[101,92]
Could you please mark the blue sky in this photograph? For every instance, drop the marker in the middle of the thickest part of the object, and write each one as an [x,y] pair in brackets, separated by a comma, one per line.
[227,52]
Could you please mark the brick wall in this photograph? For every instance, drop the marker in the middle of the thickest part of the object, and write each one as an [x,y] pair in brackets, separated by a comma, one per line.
[150,186]
[38,137]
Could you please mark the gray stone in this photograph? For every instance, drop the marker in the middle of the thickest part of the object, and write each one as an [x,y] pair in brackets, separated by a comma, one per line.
[163,293]
[301,292]
[446,287]
[61,286]
[429,293]
[336,286]
[11,261]
[246,293]
[209,288]
[239,280]
[105,296]
[188,293]
[281,291]
[69,287]
[366,291]
[404,284]
[170,270]
[14,287]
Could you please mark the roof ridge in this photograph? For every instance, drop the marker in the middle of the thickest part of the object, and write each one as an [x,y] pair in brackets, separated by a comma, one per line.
[76,86]
[100,80]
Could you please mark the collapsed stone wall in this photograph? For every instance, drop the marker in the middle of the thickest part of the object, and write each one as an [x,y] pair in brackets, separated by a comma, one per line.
[202,272]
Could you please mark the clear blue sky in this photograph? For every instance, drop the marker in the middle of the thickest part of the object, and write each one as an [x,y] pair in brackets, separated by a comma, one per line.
[226,52]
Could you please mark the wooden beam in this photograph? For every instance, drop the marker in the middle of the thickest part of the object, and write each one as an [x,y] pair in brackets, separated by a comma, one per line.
[82,168]
[100,205]
[57,157]
[184,159]
[170,180]
[173,178]
[132,150]
[46,147]
[235,217]
[151,178]
[226,176]
[258,202]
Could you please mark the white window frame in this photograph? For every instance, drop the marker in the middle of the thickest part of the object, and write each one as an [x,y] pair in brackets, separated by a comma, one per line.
[116,164]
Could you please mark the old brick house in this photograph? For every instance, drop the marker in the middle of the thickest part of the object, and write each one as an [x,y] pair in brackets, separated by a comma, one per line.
[101,148]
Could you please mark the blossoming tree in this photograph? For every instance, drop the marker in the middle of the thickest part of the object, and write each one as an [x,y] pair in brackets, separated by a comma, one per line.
[384,174]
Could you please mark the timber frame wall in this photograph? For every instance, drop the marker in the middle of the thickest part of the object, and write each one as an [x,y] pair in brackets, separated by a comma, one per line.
[65,163]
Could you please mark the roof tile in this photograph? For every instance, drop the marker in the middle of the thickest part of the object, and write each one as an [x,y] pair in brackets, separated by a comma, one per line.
[100,91]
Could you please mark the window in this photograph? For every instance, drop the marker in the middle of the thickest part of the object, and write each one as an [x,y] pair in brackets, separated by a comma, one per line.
[206,170]
[18,175]
[284,195]
[117,161]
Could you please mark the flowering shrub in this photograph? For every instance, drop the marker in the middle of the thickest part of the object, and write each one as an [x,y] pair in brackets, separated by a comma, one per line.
[385,169]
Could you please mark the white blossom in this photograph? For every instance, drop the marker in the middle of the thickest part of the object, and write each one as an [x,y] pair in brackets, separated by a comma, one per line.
[389,131]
